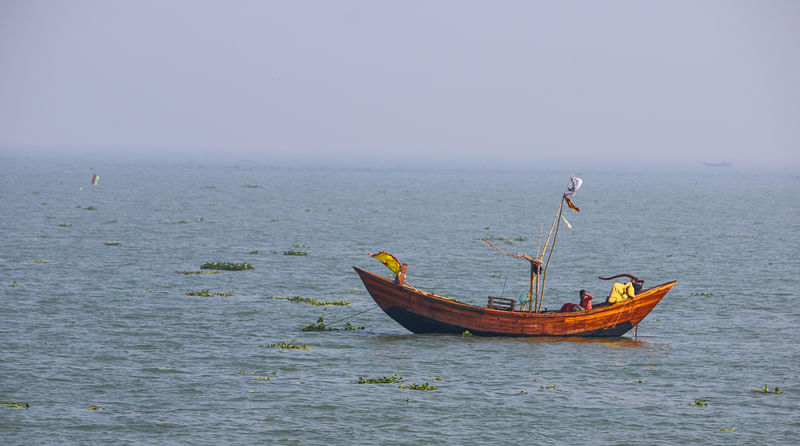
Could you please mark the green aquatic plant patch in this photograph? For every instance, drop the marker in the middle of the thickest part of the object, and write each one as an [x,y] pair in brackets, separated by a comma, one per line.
[320,326]
[290,345]
[766,389]
[201,272]
[701,403]
[206,293]
[382,380]
[227,266]
[312,301]
[292,252]
[425,387]
[16,405]
[113,243]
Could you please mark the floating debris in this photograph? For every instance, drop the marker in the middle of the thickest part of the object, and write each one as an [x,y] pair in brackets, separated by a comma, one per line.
[509,241]
[87,208]
[550,387]
[64,225]
[97,408]
[290,345]
[383,380]
[730,429]
[15,404]
[206,293]
[113,243]
[425,387]
[320,325]
[703,294]
[252,186]
[14,284]
[40,261]
[466,333]
[95,179]
[227,266]
[253,252]
[201,272]
[263,378]
[312,301]
[766,389]
[292,252]
[701,403]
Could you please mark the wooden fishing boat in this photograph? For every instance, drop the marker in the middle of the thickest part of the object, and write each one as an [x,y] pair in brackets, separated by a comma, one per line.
[423,312]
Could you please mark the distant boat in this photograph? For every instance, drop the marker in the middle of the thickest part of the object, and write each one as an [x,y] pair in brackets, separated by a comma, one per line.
[722,164]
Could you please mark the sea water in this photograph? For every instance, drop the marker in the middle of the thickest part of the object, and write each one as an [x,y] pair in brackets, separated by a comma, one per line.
[101,345]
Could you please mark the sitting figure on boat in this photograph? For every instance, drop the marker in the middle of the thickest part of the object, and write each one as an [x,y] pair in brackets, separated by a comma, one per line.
[586,300]
[586,303]
[620,292]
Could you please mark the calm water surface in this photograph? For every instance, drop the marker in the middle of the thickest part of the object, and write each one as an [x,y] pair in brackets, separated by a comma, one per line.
[94,314]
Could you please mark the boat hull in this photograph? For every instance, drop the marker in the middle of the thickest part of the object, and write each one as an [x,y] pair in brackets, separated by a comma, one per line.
[423,312]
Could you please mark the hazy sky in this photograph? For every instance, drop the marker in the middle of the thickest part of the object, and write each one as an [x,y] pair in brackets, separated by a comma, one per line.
[522,84]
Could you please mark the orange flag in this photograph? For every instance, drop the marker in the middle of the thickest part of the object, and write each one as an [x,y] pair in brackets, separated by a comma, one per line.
[571,205]
[387,259]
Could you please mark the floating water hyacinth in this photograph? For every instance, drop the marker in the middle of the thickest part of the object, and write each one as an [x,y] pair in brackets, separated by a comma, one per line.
[16,405]
[290,345]
[227,266]
[766,389]
[206,293]
[383,380]
[320,326]
[425,387]
[312,301]
[292,252]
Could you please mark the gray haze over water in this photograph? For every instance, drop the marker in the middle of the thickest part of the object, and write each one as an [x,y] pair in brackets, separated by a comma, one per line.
[522,84]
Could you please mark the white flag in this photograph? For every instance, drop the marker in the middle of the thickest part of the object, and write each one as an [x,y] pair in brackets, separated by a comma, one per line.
[573,186]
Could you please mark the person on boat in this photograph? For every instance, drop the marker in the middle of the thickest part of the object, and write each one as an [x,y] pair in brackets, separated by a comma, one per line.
[620,292]
[586,303]
[586,300]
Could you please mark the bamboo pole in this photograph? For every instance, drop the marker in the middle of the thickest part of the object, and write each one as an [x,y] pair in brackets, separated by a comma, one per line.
[557,224]
[544,250]
[536,282]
